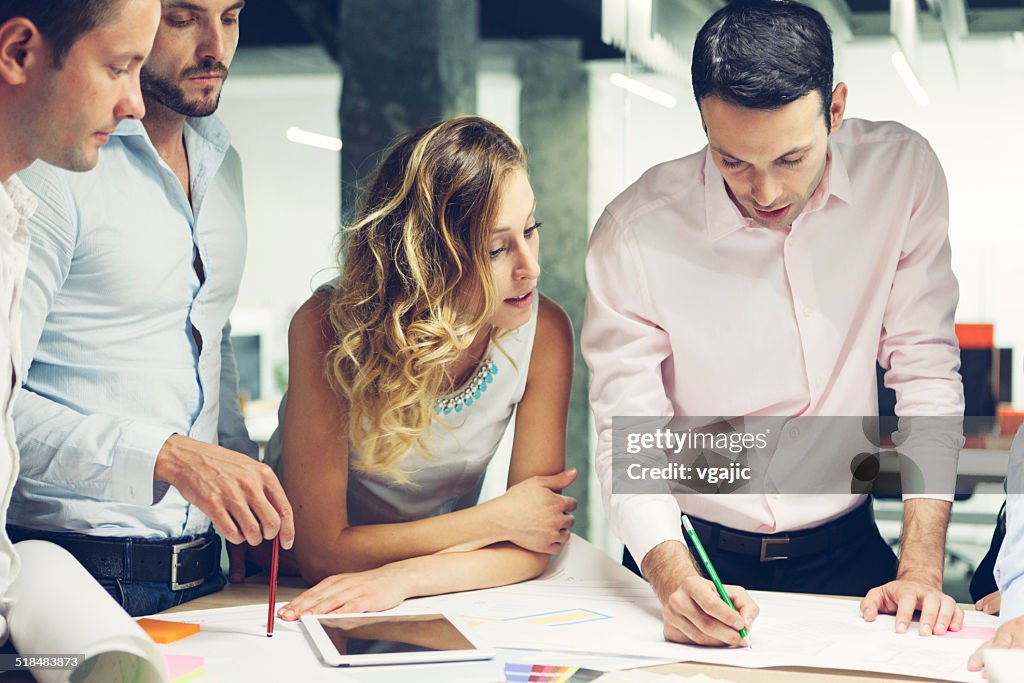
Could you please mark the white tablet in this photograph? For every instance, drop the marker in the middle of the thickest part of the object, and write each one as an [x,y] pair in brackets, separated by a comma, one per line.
[366,639]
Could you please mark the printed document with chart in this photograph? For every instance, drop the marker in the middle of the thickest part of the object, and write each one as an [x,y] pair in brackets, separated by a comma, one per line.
[587,602]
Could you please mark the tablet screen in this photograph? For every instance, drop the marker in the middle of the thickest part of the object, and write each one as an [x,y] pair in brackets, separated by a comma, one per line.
[394,634]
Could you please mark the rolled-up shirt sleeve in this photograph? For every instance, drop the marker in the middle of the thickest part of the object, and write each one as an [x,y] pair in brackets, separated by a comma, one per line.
[625,350]
[918,346]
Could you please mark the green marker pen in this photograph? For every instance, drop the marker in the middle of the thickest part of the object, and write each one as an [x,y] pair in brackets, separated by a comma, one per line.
[711,569]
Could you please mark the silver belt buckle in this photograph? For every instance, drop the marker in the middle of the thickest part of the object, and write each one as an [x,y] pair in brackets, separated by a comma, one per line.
[176,550]
[765,542]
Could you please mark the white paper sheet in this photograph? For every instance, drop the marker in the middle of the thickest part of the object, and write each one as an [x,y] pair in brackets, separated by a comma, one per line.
[587,602]
[1004,666]
[236,647]
[648,677]
[58,608]
[234,642]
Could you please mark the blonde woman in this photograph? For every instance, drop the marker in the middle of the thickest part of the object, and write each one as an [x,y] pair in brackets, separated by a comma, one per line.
[404,374]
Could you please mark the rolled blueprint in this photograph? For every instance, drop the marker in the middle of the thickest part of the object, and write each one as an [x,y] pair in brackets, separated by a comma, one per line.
[57,608]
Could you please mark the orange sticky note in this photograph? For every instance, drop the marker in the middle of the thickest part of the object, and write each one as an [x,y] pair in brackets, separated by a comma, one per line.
[167,631]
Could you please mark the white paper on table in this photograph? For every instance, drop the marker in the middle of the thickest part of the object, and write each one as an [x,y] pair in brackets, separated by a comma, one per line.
[586,603]
[235,647]
[648,677]
[234,643]
[1004,666]
[598,607]
[58,608]
[584,569]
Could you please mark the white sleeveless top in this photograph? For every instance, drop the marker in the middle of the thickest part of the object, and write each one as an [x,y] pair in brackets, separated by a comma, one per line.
[462,444]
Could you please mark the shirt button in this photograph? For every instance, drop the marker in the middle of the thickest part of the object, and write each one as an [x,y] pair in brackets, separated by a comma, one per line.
[817,382]
[790,240]
[794,432]
[807,312]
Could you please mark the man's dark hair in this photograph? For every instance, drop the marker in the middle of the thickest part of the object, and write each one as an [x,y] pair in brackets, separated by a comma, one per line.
[764,54]
[62,22]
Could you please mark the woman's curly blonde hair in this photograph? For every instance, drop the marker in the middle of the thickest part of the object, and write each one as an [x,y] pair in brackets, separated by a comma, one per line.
[416,285]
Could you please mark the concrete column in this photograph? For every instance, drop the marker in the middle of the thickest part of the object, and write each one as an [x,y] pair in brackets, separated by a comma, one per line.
[404,63]
[553,123]
[321,19]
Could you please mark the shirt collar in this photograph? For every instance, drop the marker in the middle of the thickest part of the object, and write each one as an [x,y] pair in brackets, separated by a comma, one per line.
[724,217]
[209,128]
[16,200]
[838,178]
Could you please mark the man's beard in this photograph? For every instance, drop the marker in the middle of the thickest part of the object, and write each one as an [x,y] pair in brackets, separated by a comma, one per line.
[168,93]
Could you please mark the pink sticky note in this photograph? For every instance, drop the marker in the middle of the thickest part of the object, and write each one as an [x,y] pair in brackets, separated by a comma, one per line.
[970,633]
[183,668]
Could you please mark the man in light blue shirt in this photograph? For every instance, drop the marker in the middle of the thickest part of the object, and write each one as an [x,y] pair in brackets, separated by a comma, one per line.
[1009,572]
[128,422]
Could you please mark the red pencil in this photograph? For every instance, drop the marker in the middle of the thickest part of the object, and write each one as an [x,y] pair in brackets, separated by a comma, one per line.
[273,587]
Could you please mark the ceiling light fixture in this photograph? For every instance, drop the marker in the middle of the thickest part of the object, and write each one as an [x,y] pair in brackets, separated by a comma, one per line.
[899,61]
[643,90]
[304,137]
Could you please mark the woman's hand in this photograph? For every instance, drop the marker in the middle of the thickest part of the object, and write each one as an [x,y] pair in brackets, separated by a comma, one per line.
[534,516]
[370,591]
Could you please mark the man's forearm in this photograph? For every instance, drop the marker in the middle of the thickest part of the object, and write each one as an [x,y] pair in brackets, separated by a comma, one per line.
[53,439]
[923,542]
[665,567]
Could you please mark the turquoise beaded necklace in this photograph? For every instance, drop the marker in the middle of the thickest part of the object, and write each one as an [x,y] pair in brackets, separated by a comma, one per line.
[474,388]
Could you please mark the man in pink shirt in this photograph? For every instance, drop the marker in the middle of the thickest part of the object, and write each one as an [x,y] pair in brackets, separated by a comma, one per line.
[764,276]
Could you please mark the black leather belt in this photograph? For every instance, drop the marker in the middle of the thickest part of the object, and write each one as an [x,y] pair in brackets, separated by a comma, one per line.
[784,546]
[179,562]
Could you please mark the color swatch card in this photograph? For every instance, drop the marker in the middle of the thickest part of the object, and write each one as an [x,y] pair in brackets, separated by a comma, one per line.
[543,673]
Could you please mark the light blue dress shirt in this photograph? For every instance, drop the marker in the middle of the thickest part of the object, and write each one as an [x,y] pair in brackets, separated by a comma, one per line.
[1010,563]
[111,299]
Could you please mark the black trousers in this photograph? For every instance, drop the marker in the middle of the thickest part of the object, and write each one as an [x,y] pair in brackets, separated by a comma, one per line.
[853,565]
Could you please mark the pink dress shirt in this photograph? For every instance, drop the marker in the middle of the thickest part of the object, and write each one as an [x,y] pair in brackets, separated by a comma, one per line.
[694,310]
